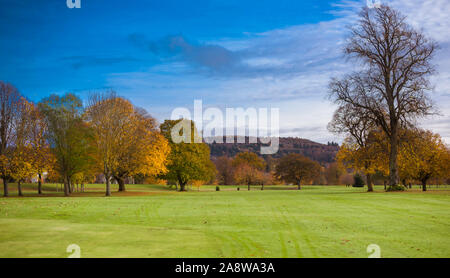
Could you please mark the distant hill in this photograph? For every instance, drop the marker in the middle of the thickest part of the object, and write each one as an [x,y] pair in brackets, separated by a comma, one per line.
[321,153]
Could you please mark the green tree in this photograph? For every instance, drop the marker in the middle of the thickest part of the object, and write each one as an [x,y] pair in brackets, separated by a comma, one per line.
[187,161]
[70,138]
[358,180]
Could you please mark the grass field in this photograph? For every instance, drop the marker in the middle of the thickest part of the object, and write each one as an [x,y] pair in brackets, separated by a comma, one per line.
[154,221]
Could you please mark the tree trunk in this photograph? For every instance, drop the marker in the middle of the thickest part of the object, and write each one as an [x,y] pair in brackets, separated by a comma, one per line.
[66,187]
[39,183]
[5,187]
[369,183]
[121,183]
[108,185]
[19,188]
[424,184]
[410,186]
[248,186]
[182,184]
[183,187]
[69,184]
[299,186]
[393,155]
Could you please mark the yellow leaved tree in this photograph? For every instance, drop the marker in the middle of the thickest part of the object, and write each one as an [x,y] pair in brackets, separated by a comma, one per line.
[422,156]
[20,162]
[41,157]
[144,153]
[127,140]
[367,158]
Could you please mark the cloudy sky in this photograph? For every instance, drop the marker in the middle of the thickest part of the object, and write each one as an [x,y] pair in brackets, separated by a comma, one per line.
[228,53]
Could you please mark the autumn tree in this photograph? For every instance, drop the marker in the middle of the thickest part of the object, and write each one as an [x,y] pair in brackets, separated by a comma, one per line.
[110,117]
[83,177]
[248,168]
[367,158]
[70,138]
[333,173]
[146,151]
[357,150]
[423,155]
[296,168]
[225,170]
[187,161]
[392,83]
[42,157]
[21,161]
[10,108]
[249,158]
[247,174]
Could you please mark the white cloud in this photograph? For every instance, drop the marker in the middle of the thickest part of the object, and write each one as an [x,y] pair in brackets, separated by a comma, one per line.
[290,68]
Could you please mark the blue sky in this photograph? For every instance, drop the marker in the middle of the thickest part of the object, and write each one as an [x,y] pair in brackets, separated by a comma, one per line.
[165,54]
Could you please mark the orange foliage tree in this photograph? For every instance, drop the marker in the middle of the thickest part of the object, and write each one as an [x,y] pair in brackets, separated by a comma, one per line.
[296,168]
[127,140]
[146,151]
[248,168]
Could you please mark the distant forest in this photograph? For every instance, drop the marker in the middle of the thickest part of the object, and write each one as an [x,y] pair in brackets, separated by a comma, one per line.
[324,154]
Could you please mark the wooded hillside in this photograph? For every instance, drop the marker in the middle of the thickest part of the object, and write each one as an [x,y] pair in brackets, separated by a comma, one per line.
[316,151]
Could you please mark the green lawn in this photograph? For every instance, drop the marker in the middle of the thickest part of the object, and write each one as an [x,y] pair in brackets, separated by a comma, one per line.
[153,221]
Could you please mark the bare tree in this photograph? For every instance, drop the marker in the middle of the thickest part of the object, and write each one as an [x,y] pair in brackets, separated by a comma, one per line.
[355,122]
[392,84]
[10,106]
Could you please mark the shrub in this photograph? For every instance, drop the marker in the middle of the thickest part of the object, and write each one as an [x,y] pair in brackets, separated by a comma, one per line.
[396,188]
[358,181]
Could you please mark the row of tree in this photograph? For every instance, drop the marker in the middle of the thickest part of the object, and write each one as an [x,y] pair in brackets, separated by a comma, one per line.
[422,156]
[109,137]
[74,143]
[247,168]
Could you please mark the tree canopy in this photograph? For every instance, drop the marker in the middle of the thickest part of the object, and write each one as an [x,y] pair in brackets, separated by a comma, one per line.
[186,161]
[296,168]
